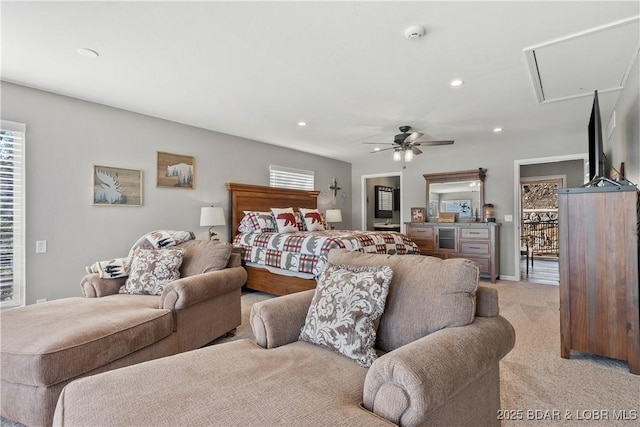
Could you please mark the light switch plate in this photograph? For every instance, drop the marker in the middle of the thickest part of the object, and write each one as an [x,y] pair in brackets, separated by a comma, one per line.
[508,218]
[41,246]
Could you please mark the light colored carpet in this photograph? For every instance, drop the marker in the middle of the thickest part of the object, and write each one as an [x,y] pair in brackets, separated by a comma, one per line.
[539,388]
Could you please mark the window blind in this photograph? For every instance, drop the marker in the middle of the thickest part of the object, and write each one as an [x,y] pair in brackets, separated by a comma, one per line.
[284,177]
[12,214]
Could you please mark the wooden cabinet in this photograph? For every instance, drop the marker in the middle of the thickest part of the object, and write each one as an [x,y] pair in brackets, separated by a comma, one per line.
[598,242]
[479,242]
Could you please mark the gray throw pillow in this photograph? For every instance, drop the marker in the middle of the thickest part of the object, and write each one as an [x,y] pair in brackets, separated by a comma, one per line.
[345,310]
[151,270]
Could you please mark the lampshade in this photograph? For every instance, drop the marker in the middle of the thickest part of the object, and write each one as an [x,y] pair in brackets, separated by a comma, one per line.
[333,215]
[211,215]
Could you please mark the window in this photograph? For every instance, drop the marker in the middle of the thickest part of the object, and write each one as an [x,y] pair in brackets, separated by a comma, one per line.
[12,214]
[299,179]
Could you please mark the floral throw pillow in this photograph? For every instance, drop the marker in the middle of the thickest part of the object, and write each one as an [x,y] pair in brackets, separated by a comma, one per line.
[345,310]
[152,269]
[313,220]
[285,220]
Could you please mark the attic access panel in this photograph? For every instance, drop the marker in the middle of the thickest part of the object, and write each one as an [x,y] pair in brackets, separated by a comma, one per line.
[574,66]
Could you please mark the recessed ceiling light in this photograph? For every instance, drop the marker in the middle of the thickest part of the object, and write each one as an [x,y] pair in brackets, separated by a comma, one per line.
[376,149]
[456,82]
[302,124]
[87,53]
[497,130]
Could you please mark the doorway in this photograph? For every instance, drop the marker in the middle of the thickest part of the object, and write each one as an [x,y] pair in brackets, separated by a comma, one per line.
[393,181]
[536,221]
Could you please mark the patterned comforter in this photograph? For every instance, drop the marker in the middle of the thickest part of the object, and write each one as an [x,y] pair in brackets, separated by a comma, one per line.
[307,251]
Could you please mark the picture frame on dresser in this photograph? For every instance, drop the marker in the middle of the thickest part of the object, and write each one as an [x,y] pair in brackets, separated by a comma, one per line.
[418,214]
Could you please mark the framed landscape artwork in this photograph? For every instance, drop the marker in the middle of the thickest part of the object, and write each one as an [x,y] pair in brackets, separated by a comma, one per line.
[117,186]
[176,170]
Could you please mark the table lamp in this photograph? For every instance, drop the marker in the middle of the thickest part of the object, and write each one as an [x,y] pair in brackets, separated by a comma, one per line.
[212,216]
[332,216]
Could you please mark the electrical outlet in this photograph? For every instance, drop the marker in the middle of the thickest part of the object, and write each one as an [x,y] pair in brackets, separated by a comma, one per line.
[41,246]
[508,218]
[38,301]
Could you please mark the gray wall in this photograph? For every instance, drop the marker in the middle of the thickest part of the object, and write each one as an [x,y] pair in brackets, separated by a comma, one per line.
[624,144]
[573,169]
[66,136]
[496,153]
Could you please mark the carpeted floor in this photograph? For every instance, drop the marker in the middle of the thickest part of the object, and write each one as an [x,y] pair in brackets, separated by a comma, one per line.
[539,388]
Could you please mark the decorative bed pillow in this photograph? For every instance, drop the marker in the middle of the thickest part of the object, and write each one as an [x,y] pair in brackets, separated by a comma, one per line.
[285,220]
[345,310]
[313,220]
[299,221]
[257,222]
[152,269]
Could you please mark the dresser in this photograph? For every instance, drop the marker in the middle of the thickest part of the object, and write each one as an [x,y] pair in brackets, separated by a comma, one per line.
[598,241]
[479,242]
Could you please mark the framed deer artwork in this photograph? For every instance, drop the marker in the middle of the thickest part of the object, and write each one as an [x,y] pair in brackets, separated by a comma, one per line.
[116,186]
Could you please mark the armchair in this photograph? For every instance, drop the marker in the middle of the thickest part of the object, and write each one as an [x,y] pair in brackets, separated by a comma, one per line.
[439,342]
[45,346]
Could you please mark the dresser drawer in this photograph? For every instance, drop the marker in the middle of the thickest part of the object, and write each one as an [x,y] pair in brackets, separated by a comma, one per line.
[480,248]
[419,232]
[474,233]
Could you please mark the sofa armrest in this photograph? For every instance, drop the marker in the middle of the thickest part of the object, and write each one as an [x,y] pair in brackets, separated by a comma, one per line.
[278,321]
[404,385]
[191,290]
[93,286]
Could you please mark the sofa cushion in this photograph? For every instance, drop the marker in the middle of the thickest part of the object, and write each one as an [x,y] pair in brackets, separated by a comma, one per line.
[152,269]
[345,310]
[44,344]
[426,294]
[299,384]
[202,256]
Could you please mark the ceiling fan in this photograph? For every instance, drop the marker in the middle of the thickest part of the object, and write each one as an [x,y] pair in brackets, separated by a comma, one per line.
[407,143]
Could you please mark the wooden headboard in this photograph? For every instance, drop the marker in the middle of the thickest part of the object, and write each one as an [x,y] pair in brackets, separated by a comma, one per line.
[246,197]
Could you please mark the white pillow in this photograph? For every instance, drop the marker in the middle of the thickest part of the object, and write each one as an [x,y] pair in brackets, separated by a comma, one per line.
[285,220]
[313,220]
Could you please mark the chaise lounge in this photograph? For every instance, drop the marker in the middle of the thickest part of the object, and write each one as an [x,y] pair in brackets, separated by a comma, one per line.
[45,346]
[436,359]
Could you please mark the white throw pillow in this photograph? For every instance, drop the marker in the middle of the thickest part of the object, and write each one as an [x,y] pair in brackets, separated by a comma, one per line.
[313,220]
[285,220]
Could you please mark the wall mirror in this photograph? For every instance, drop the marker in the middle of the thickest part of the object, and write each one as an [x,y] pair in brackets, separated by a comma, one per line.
[459,192]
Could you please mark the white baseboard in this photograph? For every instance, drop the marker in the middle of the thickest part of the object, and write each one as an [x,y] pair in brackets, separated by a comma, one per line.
[511,278]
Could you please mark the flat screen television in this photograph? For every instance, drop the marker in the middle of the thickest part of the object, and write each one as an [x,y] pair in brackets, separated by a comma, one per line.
[596,148]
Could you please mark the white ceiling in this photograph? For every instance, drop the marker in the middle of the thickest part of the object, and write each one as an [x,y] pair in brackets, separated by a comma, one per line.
[255,69]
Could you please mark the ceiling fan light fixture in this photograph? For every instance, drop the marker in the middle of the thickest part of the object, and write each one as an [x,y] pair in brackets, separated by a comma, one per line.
[397,155]
[408,155]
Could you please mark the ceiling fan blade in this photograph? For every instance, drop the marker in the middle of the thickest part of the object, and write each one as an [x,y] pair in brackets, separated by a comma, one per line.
[416,150]
[413,137]
[434,142]
[380,143]
[384,149]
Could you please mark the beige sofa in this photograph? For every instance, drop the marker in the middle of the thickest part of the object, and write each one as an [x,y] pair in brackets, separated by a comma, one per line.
[440,341]
[44,346]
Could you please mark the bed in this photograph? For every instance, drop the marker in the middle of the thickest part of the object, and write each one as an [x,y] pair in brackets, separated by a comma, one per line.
[284,263]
